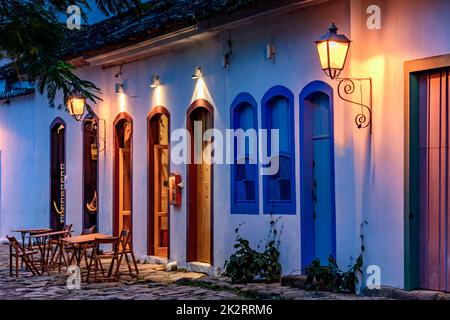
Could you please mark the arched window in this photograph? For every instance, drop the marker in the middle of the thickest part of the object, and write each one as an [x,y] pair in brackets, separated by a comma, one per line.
[244,171]
[279,188]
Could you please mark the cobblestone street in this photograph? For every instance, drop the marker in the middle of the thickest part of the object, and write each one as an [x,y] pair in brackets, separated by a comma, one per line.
[153,283]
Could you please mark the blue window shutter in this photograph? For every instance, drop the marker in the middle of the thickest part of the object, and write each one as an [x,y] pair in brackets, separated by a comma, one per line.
[279,196]
[244,176]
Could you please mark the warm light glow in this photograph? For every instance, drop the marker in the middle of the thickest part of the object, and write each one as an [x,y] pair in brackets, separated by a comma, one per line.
[336,58]
[201,91]
[75,105]
[158,97]
[122,102]
[333,49]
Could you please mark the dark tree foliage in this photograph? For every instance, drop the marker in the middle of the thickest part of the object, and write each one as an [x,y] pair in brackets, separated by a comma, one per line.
[32,37]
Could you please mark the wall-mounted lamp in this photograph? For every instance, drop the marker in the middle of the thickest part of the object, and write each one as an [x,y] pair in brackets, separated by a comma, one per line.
[198,73]
[270,51]
[119,88]
[76,104]
[156,81]
[227,56]
[333,51]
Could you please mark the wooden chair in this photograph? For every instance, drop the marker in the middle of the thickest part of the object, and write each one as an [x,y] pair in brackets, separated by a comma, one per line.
[55,244]
[96,260]
[26,257]
[125,248]
[85,248]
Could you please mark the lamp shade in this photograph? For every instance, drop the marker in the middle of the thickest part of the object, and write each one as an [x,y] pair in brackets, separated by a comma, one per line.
[156,81]
[333,49]
[75,105]
[198,73]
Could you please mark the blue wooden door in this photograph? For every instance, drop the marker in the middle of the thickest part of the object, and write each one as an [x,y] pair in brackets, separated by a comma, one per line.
[322,178]
[317,176]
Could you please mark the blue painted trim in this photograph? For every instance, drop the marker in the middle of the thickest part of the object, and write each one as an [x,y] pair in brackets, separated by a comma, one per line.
[279,207]
[247,207]
[306,220]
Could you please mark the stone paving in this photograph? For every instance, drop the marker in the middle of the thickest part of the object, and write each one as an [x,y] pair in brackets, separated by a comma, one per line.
[153,283]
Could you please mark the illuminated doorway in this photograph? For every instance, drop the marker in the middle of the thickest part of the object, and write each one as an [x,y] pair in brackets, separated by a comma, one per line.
[158,182]
[200,179]
[123,159]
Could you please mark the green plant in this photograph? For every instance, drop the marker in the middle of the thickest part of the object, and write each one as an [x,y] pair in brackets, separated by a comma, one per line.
[247,264]
[331,278]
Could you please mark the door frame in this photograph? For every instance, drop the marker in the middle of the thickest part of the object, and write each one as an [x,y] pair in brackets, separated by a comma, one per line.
[411,171]
[60,121]
[87,118]
[191,234]
[157,110]
[127,117]
[306,221]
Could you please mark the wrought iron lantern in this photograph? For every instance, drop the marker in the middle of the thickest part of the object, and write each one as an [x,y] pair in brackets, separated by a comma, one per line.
[76,105]
[333,50]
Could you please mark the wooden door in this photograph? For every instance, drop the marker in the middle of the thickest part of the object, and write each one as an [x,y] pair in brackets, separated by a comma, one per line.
[200,192]
[323,197]
[58,173]
[90,173]
[161,200]
[318,213]
[123,199]
[434,180]
[158,237]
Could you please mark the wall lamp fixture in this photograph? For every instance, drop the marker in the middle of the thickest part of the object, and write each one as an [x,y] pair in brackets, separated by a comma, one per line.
[76,105]
[156,81]
[198,73]
[333,51]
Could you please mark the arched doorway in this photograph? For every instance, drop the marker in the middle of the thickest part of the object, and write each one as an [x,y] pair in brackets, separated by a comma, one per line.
[57,174]
[90,172]
[200,187]
[317,172]
[158,182]
[123,184]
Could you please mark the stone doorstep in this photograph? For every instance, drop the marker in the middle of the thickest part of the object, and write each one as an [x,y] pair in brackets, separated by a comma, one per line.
[298,281]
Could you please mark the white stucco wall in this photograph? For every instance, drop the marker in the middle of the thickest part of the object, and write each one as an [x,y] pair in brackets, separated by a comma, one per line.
[410,30]
[368,169]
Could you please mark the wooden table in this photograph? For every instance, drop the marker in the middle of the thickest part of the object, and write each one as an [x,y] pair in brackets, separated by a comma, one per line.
[41,239]
[79,241]
[24,232]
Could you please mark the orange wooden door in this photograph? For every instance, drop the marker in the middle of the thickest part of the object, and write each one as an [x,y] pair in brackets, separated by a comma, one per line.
[161,200]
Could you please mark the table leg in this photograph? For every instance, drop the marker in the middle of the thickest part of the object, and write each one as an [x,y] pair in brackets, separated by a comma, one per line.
[10,260]
[46,251]
[60,244]
[23,247]
[42,252]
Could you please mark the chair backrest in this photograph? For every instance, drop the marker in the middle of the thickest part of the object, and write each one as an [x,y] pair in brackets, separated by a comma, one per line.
[14,244]
[113,241]
[90,230]
[67,227]
[125,239]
